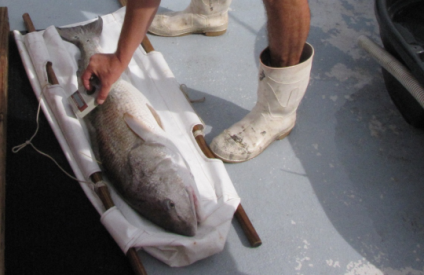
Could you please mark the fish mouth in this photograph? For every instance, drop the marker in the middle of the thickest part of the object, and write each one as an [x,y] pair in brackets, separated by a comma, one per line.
[186,229]
[187,226]
[191,232]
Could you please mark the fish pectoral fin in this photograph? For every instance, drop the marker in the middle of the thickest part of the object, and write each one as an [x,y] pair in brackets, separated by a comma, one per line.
[149,134]
[155,115]
[137,126]
[140,128]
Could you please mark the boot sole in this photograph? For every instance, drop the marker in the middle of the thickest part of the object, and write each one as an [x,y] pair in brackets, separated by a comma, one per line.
[218,33]
[239,161]
[207,33]
[284,135]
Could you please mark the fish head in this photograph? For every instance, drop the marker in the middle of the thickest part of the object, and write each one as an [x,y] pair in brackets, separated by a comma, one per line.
[164,179]
[179,207]
[168,198]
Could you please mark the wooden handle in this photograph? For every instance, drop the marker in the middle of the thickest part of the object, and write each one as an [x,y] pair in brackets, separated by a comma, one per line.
[202,142]
[28,22]
[104,195]
[4,66]
[147,46]
[135,261]
[248,229]
[102,191]
[51,76]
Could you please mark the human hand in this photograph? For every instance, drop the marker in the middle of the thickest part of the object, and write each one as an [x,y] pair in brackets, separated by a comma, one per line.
[107,68]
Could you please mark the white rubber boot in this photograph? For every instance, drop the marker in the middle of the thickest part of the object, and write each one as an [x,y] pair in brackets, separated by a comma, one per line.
[280,91]
[209,17]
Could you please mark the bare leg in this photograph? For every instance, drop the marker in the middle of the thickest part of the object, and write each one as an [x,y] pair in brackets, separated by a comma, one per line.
[284,71]
[288,28]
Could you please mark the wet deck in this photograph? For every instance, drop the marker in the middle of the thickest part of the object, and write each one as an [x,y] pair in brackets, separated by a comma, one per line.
[343,194]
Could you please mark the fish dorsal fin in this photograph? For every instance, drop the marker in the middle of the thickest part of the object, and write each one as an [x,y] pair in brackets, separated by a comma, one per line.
[146,133]
[155,115]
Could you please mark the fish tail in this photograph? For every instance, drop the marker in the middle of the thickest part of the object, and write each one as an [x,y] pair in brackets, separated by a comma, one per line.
[82,34]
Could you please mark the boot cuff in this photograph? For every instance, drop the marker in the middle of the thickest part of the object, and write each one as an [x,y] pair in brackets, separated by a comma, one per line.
[291,73]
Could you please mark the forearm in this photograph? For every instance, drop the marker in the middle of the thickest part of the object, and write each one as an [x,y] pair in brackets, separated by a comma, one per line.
[138,18]
[109,67]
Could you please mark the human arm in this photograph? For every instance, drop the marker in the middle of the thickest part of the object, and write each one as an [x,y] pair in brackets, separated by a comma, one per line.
[109,67]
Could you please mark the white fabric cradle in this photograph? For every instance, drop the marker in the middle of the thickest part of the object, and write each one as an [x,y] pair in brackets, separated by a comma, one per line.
[218,200]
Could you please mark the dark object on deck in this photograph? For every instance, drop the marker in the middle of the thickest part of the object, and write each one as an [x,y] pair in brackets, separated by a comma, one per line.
[402,32]
[4,64]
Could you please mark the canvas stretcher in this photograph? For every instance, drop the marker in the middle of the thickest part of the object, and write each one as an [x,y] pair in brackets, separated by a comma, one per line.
[149,72]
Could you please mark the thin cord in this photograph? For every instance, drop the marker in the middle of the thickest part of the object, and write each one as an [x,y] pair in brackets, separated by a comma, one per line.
[17,148]
[85,155]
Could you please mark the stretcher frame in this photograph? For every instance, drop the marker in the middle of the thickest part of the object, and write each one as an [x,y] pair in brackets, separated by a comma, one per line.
[103,191]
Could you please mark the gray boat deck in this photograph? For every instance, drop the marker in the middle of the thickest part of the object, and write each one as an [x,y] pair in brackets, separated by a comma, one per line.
[343,193]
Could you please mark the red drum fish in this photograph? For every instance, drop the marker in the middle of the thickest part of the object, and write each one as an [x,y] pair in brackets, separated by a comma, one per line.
[142,162]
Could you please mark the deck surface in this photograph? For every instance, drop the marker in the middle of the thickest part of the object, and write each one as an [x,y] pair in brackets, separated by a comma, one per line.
[343,193]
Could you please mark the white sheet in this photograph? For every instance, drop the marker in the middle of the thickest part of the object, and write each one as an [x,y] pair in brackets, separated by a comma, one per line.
[150,73]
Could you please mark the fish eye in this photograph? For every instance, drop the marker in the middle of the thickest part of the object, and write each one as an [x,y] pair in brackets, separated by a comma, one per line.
[169,204]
